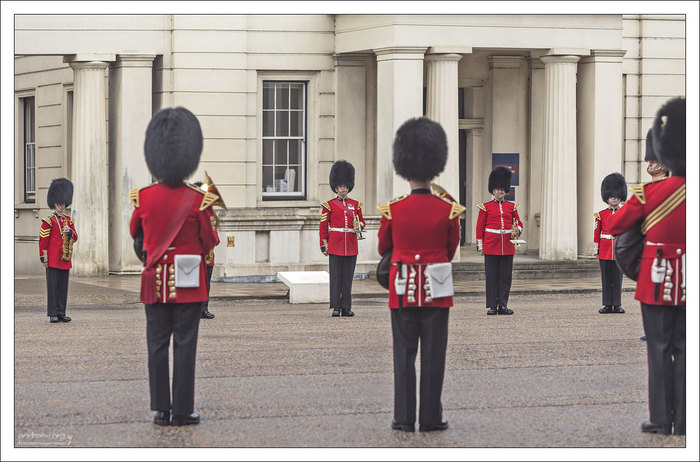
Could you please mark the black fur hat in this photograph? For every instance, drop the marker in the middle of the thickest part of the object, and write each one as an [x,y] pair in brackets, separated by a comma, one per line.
[500,179]
[613,185]
[60,192]
[342,173]
[650,154]
[420,150]
[173,145]
[668,134]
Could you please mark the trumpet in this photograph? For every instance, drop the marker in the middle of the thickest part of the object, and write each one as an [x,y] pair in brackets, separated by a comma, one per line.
[514,231]
[356,227]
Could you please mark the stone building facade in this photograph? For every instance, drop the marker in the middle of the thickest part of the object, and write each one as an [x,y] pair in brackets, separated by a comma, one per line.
[562,99]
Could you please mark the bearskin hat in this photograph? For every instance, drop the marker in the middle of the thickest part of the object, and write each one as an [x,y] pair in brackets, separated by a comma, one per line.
[668,134]
[613,185]
[650,154]
[342,173]
[173,145]
[420,149]
[500,179]
[60,192]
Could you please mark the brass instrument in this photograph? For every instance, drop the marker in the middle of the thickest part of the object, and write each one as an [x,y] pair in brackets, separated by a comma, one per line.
[67,249]
[208,185]
[515,232]
[356,227]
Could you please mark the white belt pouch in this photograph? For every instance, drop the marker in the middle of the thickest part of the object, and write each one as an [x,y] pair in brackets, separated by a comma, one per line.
[440,279]
[187,270]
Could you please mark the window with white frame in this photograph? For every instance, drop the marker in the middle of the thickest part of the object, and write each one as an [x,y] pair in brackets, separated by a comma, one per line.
[283,140]
[29,144]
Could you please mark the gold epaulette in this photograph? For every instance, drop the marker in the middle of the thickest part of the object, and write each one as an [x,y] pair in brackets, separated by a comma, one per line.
[326,206]
[385,208]
[481,207]
[48,221]
[456,210]
[359,205]
[134,196]
[515,206]
[638,190]
[208,199]
[596,215]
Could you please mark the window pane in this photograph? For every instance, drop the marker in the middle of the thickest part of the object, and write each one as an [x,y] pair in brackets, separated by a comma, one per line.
[282,96]
[296,123]
[282,119]
[280,152]
[280,181]
[297,96]
[294,151]
[292,179]
[267,152]
[268,123]
[268,186]
[268,96]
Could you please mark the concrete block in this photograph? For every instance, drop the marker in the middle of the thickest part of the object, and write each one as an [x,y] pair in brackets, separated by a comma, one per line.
[306,286]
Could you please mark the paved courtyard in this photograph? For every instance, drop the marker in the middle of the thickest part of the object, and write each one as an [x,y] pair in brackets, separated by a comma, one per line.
[274,375]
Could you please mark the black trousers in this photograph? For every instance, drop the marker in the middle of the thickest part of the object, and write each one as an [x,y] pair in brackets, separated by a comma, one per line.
[664,327]
[341,269]
[611,277]
[408,325]
[181,320]
[205,304]
[56,291]
[499,277]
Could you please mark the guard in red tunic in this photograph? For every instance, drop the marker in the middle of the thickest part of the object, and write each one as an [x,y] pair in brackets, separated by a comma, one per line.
[173,222]
[341,225]
[419,230]
[613,190]
[56,237]
[661,282]
[498,222]
[209,186]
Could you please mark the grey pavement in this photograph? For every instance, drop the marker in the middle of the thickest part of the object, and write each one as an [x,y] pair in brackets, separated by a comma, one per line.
[556,374]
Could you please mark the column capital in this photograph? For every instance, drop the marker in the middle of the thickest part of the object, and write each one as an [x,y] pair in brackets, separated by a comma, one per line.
[88,65]
[604,56]
[443,57]
[560,59]
[396,53]
[505,62]
[88,57]
[134,60]
[350,59]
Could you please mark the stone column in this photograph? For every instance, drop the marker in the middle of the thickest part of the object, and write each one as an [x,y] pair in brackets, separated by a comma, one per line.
[350,96]
[442,101]
[600,150]
[558,237]
[130,82]
[536,147]
[399,98]
[89,174]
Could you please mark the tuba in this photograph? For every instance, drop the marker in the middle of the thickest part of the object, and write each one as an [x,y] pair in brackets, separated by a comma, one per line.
[67,248]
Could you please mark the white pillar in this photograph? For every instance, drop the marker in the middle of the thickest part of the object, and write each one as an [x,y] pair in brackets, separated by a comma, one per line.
[537,92]
[399,98]
[89,163]
[130,110]
[600,149]
[442,101]
[558,238]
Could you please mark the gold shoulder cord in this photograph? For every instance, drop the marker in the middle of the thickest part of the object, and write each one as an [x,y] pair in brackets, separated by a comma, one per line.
[481,207]
[596,215]
[385,208]
[638,191]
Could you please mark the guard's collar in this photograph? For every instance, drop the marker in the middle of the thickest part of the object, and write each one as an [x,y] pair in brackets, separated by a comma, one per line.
[421,191]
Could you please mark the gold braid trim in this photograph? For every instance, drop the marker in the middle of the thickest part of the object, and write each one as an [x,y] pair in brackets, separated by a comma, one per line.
[662,211]
[596,215]
[515,206]
[326,206]
[638,190]
[481,207]
[134,196]
[385,208]
[456,210]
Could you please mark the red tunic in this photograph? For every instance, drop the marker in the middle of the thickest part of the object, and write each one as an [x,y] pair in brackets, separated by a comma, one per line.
[603,239]
[51,240]
[154,206]
[421,229]
[494,225]
[667,235]
[336,227]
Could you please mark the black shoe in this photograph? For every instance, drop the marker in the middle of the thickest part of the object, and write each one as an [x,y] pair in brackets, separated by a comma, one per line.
[431,428]
[53,319]
[347,313]
[649,427]
[336,312]
[63,318]
[606,309]
[504,310]
[643,338]
[207,315]
[618,309]
[404,427]
[191,419]
[492,311]
[162,418]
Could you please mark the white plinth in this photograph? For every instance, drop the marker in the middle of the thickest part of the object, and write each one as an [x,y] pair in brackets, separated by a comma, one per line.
[306,286]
